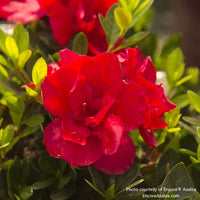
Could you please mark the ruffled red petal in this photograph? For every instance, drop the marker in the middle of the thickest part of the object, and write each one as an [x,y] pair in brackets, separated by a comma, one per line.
[74,131]
[110,132]
[55,90]
[148,136]
[119,162]
[130,105]
[74,154]
[103,74]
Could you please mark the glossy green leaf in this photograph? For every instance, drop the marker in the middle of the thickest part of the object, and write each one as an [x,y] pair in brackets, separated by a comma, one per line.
[63,181]
[127,178]
[4,62]
[183,80]
[31,92]
[61,194]
[198,153]
[194,100]
[3,72]
[188,152]
[179,177]
[39,72]
[34,120]
[140,11]
[43,184]
[133,40]
[47,163]
[194,72]
[23,58]
[96,178]
[6,136]
[21,37]
[181,101]
[194,170]
[192,120]
[80,44]
[26,193]
[110,192]
[12,48]
[172,43]
[129,4]
[170,158]
[95,188]
[3,37]
[194,160]
[172,118]
[109,25]
[123,18]
[175,66]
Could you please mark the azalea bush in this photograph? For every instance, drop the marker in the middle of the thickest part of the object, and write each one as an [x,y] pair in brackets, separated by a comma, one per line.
[91,108]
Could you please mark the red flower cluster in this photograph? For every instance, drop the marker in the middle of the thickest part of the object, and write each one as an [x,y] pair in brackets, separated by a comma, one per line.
[97,100]
[21,11]
[66,18]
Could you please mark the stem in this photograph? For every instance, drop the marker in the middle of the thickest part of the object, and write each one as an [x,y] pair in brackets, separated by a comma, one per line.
[27,80]
[22,117]
[112,46]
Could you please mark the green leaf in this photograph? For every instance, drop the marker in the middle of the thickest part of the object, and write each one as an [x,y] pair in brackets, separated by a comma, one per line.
[179,177]
[122,181]
[61,194]
[26,193]
[12,48]
[123,18]
[192,120]
[129,4]
[183,80]
[3,72]
[31,92]
[17,174]
[172,118]
[96,178]
[109,25]
[23,58]
[47,163]
[198,152]
[63,181]
[2,41]
[172,43]
[6,136]
[39,72]
[43,184]
[188,152]
[194,160]
[140,10]
[4,62]
[134,39]
[181,101]
[194,72]
[194,170]
[22,37]
[170,158]
[110,192]
[34,120]
[80,44]
[175,66]
[95,188]
[194,100]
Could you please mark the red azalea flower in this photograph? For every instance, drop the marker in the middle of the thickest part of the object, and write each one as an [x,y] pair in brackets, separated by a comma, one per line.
[21,11]
[95,108]
[68,17]
[144,73]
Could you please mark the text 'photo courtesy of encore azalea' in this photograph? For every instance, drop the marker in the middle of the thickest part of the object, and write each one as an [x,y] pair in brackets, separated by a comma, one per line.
[66,17]
[97,101]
